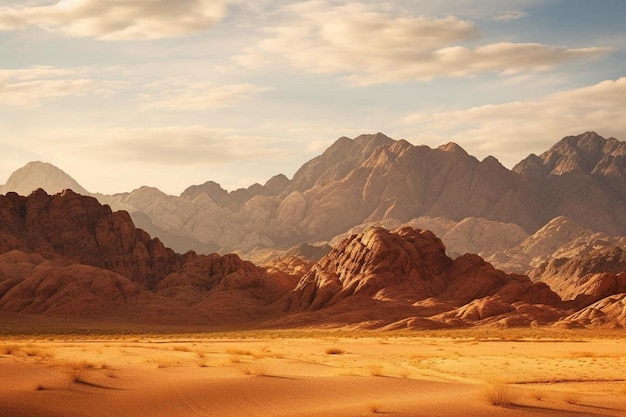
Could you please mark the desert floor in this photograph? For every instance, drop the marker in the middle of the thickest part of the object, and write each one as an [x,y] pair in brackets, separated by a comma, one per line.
[313,373]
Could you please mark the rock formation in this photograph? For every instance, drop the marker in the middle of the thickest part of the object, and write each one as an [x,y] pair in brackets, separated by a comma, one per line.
[404,278]
[68,255]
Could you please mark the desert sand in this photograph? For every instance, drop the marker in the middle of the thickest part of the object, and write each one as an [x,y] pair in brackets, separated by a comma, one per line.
[314,373]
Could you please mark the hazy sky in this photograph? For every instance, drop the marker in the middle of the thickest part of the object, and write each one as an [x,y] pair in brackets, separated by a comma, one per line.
[124,93]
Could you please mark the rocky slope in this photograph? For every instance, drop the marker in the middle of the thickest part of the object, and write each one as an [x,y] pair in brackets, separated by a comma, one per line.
[582,177]
[405,279]
[68,255]
[589,275]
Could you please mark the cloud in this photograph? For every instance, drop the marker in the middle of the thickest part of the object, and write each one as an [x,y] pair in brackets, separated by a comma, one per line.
[117,19]
[511,131]
[370,46]
[31,87]
[193,96]
[179,146]
[510,15]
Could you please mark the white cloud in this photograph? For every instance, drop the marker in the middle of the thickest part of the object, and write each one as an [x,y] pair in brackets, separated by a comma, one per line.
[33,86]
[180,95]
[513,130]
[117,19]
[510,15]
[179,145]
[371,46]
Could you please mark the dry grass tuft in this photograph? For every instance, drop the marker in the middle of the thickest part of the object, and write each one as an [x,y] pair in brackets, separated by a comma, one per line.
[334,351]
[81,365]
[375,370]
[571,397]
[538,394]
[163,362]
[181,348]
[374,407]
[499,394]
[25,351]
[254,369]
[239,352]
[405,373]
[10,349]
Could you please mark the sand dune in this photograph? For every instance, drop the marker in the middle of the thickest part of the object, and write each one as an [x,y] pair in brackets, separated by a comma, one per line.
[318,375]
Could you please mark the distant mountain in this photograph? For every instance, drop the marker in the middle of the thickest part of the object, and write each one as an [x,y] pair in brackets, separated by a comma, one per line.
[584,178]
[42,175]
[543,254]
[374,179]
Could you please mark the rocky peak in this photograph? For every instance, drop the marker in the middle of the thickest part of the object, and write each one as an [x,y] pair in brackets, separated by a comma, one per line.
[43,175]
[369,142]
[210,188]
[276,185]
[337,161]
[583,153]
[453,148]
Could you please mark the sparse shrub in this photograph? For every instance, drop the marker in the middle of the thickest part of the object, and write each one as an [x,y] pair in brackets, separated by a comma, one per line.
[405,373]
[334,351]
[499,394]
[376,370]
[254,369]
[239,352]
[571,397]
[110,373]
[235,359]
[163,362]
[374,407]
[81,365]
[181,348]
[538,395]
[10,349]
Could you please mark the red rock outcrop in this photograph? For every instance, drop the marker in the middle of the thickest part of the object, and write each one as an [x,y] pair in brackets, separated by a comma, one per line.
[82,230]
[572,277]
[381,277]
[607,312]
[68,255]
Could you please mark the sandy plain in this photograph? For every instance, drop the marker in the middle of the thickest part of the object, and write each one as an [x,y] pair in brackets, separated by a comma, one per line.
[314,373]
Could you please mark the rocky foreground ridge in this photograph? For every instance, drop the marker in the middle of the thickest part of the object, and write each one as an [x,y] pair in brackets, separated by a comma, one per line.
[66,255]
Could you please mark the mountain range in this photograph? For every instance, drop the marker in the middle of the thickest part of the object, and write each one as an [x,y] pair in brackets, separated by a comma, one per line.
[363,222]
[68,256]
[373,179]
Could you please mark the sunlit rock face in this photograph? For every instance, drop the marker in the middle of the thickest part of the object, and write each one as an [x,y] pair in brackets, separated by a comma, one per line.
[68,255]
[382,279]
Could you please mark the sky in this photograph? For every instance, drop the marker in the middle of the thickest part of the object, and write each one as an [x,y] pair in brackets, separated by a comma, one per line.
[125,93]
